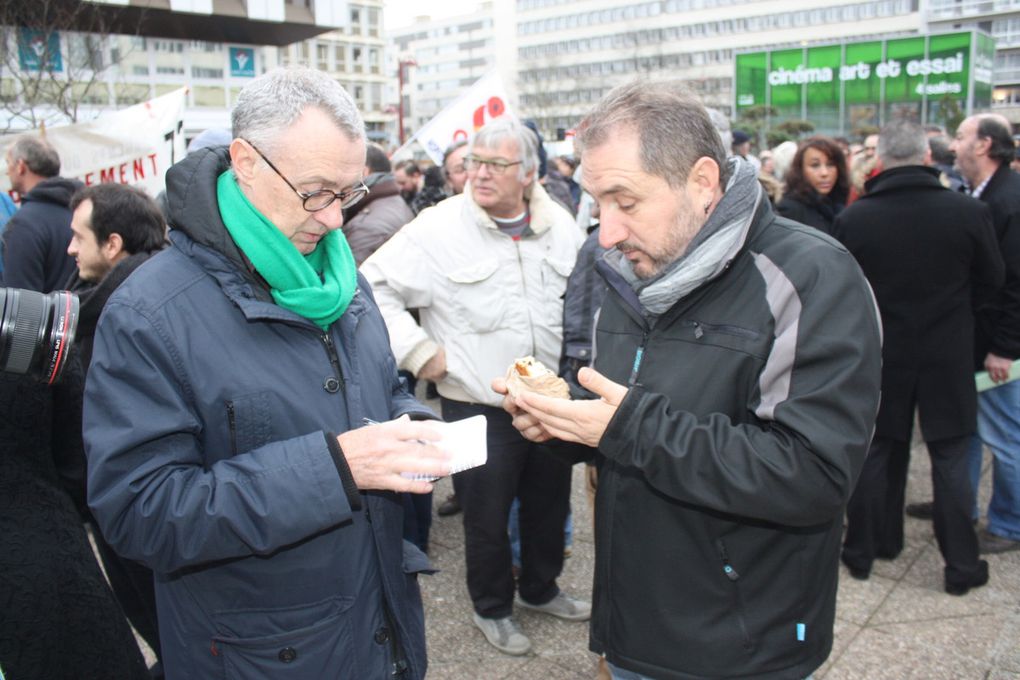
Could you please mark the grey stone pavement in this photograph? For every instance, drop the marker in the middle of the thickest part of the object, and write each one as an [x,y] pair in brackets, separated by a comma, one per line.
[898,625]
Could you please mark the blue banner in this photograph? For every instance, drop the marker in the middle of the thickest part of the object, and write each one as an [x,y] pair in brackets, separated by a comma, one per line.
[39,51]
[242,62]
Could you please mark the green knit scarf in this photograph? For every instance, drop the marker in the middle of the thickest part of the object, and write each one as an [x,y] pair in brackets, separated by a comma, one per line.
[317,286]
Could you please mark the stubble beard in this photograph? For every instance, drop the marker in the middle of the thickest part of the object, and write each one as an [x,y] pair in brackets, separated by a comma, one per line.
[685,227]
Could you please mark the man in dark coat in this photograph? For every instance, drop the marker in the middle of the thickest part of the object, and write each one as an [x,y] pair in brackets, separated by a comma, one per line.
[372,220]
[737,365]
[922,248]
[230,407]
[115,228]
[984,149]
[35,241]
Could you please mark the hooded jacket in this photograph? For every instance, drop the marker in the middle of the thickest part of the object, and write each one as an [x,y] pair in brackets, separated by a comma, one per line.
[209,421]
[370,222]
[37,236]
[726,469]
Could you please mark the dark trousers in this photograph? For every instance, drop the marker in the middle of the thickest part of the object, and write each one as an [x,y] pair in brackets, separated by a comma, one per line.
[875,512]
[133,585]
[515,467]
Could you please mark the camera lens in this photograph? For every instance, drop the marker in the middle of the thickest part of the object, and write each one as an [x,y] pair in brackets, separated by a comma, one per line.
[36,332]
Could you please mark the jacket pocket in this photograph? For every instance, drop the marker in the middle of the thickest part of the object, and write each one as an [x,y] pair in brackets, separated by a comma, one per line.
[477,296]
[249,419]
[308,641]
[739,607]
[555,273]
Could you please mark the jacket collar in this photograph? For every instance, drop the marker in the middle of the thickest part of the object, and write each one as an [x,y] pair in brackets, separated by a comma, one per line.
[541,207]
[902,177]
[999,178]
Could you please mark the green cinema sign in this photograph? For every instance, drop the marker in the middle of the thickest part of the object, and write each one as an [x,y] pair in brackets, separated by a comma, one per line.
[846,85]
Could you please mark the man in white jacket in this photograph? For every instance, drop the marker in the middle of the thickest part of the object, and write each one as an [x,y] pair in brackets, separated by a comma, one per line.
[487,270]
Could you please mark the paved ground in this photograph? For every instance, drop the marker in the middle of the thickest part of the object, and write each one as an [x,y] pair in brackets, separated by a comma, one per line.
[899,625]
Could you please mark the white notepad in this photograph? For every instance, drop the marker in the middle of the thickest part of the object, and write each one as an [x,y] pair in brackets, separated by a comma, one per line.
[465,439]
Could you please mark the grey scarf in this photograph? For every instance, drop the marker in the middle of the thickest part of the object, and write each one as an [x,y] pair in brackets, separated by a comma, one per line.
[709,252]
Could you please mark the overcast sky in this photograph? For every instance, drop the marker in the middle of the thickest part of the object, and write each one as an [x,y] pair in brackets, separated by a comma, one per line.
[400,13]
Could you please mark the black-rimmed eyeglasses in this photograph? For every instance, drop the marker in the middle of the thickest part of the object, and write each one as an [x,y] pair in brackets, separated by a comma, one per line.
[314,201]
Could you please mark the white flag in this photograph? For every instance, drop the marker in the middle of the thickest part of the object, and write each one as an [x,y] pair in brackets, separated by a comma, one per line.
[486,100]
[133,146]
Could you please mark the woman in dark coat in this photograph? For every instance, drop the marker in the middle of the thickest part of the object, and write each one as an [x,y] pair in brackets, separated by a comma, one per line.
[58,617]
[816,184]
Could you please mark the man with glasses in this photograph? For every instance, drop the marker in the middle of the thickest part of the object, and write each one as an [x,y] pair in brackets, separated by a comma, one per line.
[227,409]
[487,270]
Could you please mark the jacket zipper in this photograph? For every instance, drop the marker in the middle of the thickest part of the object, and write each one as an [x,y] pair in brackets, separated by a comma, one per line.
[638,356]
[700,328]
[733,576]
[338,371]
[232,424]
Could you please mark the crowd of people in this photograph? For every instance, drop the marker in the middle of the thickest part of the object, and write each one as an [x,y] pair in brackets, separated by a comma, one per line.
[746,340]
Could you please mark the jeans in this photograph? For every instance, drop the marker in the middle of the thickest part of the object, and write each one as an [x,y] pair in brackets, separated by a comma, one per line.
[999,428]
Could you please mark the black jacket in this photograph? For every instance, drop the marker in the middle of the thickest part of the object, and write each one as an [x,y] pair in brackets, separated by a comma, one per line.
[999,314]
[581,303]
[816,211]
[37,236]
[724,474]
[922,247]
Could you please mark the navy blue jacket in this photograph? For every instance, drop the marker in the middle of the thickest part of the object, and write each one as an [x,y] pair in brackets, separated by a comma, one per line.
[37,236]
[209,410]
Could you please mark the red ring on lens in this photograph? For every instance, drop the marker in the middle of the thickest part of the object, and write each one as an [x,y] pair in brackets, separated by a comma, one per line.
[62,341]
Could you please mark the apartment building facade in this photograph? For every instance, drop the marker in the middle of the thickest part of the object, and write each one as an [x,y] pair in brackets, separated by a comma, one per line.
[440,58]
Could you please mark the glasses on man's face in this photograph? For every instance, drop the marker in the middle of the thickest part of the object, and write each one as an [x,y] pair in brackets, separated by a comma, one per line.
[497,166]
[314,201]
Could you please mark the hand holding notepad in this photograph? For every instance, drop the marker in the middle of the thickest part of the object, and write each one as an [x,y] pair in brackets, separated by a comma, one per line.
[464,440]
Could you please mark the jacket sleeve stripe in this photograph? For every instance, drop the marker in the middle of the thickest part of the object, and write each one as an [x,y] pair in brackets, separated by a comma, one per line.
[785,305]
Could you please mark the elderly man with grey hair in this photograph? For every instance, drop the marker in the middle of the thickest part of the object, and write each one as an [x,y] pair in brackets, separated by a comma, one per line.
[34,247]
[737,371]
[487,270]
[245,427]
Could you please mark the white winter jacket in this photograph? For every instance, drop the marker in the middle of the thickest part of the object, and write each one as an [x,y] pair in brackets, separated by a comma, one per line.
[484,297]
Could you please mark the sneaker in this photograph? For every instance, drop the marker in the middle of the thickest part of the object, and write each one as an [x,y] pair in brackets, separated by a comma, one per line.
[504,635]
[562,607]
[924,510]
[451,506]
[991,544]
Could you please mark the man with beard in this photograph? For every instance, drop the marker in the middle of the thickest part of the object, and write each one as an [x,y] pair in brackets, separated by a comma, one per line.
[737,367]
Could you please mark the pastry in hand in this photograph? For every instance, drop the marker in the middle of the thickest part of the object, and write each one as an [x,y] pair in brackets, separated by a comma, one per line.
[528,374]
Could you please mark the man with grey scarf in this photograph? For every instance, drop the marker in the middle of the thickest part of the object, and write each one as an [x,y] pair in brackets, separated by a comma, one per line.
[737,364]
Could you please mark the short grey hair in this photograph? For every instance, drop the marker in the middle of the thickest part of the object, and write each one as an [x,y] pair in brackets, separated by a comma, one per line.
[272,102]
[672,124]
[902,142]
[507,127]
[40,157]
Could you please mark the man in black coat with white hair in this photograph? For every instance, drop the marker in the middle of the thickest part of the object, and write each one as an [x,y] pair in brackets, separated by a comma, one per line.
[922,248]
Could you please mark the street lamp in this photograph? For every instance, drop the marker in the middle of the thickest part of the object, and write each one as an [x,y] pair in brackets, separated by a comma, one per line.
[402,64]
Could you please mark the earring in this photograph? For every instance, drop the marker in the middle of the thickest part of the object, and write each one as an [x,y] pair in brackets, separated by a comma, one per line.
[707,206]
